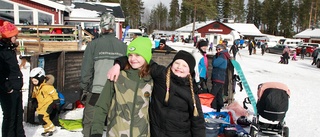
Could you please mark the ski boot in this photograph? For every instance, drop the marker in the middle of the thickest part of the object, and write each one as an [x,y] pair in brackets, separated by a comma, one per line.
[46,134]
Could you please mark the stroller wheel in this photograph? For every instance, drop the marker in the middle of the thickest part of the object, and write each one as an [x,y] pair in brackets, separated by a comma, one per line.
[285,131]
[253,131]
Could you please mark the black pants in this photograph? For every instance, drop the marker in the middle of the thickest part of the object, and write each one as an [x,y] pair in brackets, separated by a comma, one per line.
[203,86]
[217,91]
[250,51]
[11,105]
[314,61]
[234,55]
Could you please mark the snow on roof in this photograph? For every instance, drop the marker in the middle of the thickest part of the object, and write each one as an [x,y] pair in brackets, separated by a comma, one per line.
[84,13]
[51,4]
[308,33]
[245,29]
[188,28]
[105,4]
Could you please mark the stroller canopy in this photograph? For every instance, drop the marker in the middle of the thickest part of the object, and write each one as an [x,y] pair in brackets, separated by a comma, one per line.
[277,85]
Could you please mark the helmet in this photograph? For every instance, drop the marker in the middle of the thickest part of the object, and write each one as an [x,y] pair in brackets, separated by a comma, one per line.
[107,21]
[243,121]
[37,72]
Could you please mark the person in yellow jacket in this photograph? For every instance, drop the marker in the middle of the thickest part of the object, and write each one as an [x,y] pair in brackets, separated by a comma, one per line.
[46,97]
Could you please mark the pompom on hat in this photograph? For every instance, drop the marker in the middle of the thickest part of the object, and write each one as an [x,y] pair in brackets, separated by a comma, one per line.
[141,46]
[8,30]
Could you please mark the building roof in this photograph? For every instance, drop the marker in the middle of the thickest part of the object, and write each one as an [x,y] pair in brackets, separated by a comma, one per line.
[308,33]
[84,13]
[51,4]
[188,28]
[245,29]
[115,8]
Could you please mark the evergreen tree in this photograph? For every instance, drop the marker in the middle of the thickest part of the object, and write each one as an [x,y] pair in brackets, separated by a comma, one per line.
[238,11]
[159,17]
[286,18]
[174,14]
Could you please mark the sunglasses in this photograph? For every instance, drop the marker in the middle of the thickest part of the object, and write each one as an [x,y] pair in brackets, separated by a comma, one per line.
[217,49]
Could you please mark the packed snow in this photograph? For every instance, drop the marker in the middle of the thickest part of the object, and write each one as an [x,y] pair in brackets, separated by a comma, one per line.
[300,76]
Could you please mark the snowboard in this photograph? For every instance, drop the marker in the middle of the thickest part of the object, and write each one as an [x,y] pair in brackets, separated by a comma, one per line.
[245,84]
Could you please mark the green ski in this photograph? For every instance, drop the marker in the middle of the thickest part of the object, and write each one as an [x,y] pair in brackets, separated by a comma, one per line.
[246,86]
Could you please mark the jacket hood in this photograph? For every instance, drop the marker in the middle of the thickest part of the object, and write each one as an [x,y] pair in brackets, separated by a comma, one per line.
[50,79]
[226,54]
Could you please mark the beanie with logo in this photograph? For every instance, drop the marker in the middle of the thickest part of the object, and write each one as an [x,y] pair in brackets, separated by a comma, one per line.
[141,46]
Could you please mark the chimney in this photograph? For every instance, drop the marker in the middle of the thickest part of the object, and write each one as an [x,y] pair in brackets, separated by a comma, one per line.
[67,2]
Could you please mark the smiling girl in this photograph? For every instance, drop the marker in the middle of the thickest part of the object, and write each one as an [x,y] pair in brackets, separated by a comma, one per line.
[126,101]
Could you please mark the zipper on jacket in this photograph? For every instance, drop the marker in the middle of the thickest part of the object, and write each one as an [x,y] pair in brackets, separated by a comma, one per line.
[134,106]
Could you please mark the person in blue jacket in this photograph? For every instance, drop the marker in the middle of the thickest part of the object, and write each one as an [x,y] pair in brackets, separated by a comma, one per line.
[219,66]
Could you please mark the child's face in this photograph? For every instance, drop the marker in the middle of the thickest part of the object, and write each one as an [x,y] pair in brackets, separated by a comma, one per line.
[180,68]
[136,61]
[34,81]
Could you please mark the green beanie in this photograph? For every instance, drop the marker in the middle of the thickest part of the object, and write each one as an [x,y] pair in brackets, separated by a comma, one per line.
[141,46]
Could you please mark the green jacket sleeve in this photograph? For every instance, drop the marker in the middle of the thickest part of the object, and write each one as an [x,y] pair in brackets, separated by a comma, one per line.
[87,68]
[101,108]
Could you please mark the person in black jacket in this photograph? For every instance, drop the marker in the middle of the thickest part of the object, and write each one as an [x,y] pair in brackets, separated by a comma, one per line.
[175,109]
[163,46]
[234,49]
[11,82]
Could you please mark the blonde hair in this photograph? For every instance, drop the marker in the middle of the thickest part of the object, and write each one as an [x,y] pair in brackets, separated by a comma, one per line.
[195,109]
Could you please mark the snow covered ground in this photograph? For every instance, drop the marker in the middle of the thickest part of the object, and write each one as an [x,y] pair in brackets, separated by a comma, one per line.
[302,79]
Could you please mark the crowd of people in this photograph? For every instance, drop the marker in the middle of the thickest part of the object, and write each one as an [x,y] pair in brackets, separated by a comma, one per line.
[142,98]
[137,97]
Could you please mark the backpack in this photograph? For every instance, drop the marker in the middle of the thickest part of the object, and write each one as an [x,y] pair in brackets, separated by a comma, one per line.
[61,98]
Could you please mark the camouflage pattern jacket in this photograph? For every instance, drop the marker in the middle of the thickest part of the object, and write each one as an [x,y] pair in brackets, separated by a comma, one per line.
[126,102]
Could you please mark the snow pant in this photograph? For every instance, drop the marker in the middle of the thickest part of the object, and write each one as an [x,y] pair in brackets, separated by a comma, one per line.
[302,55]
[234,55]
[11,105]
[250,51]
[314,61]
[88,112]
[44,118]
[262,51]
[217,92]
[286,58]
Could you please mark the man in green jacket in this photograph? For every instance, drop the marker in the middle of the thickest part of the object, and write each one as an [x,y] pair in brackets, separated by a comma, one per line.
[98,58]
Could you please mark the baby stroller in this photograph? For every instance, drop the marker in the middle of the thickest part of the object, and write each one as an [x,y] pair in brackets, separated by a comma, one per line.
[272,105]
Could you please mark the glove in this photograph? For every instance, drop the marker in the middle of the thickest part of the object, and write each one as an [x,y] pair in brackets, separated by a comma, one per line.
[83,98]
[56,104]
